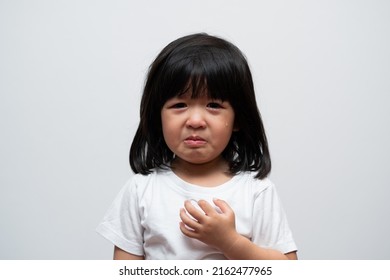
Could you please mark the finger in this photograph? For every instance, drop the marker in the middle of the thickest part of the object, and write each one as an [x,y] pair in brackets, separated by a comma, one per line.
[193,211]
[225,208]
[186,231]
[188,221]
[206,207]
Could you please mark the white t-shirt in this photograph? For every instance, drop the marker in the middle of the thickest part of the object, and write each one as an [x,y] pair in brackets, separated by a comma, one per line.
[144,218]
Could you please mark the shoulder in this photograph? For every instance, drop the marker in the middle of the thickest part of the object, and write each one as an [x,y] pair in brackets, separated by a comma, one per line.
[140,183]
[249,178]
[141,178]
[257,186]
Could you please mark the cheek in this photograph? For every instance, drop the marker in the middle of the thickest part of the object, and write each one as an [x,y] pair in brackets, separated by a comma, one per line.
[164,123]
[167,124]
[169,133]
[227,130]
[230,122]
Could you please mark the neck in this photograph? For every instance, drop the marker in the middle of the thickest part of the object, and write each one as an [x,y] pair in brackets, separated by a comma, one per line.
[208,174]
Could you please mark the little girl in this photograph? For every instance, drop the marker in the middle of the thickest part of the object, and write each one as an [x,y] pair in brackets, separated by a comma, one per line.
[201,160]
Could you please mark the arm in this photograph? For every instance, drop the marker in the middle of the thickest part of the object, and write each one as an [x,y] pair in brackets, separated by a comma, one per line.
[245,249]
[119,254]
[218,230]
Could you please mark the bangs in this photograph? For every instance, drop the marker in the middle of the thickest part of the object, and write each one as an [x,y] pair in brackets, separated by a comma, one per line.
[209,71]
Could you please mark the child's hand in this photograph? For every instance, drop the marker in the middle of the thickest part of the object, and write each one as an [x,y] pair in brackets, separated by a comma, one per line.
[213,228]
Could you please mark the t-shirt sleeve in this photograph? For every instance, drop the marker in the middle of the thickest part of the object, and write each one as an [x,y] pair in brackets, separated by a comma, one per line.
[270,227]
[121,224]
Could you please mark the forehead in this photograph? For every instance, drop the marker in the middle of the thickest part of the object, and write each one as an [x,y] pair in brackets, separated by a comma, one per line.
[190,96]
[199,89]
[194,89]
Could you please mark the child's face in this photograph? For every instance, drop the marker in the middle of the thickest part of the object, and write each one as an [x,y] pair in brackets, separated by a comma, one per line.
[197,130]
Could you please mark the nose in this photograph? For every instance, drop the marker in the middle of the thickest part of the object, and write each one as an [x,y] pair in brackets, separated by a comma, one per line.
[195,119]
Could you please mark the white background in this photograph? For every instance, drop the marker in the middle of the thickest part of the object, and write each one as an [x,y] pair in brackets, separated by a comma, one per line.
[71,76]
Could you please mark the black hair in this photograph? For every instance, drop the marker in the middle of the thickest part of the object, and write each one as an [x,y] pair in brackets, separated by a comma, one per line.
[200,61]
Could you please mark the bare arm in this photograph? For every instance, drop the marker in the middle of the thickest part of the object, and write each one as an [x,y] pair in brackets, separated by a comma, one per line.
[245,249]
[218,230]
[119,254]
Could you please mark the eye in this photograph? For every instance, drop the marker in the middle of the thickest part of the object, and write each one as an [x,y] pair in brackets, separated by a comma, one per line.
[214,105]
[178,105]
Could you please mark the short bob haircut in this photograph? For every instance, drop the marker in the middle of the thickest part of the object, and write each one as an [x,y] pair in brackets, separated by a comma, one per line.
[197,62]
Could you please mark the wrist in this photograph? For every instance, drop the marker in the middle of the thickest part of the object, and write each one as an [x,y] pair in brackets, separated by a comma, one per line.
[231,243]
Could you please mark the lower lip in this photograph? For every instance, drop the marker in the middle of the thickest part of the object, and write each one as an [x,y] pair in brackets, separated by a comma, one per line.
[195,143]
